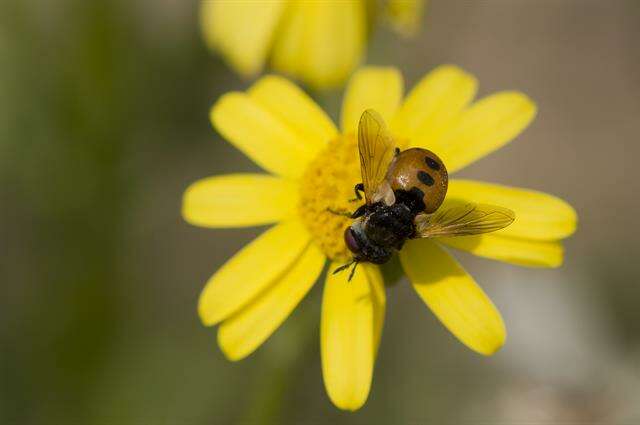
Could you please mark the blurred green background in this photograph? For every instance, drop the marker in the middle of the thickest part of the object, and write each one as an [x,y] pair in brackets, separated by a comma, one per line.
[103,123]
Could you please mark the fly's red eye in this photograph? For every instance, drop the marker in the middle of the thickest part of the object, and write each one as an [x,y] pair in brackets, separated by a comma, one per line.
[351,241]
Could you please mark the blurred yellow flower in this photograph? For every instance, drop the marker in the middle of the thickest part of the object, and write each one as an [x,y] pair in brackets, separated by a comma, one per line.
[317,42]
[313,166]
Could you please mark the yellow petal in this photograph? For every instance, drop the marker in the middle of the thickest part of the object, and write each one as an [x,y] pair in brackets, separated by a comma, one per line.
[405,16]
[521,252]
[539,216]
[486,126]
[242,333]
[287,56]
[261,135]
[379,300]
[236,200]
[453,296]
[351,315]
[294,108]
[321,41]
[378,88]
[241,31]
[433,105]
[251,271]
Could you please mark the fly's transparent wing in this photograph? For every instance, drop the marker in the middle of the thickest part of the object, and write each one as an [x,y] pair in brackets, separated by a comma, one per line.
[463,220]
[376,149]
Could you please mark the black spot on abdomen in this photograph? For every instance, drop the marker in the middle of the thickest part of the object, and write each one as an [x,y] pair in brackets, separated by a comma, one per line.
[432,163]
[425,178]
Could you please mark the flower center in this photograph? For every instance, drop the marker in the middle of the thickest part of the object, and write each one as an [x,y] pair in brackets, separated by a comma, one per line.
[327,184]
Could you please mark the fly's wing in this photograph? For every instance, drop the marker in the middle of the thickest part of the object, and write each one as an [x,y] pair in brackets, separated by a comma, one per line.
[376,152]
[463,220]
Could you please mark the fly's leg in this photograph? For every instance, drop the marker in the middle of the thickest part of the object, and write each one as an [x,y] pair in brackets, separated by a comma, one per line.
[342,213]
[357,213]
[357,189]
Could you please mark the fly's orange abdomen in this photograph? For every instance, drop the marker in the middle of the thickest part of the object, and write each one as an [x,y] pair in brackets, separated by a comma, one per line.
[421,172]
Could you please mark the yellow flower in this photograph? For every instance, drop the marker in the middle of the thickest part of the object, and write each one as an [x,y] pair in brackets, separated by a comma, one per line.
[318,42]
[313,166]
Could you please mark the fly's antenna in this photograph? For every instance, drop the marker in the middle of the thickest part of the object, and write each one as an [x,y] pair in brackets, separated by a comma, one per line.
[346,266]
[339,269]
[353,270]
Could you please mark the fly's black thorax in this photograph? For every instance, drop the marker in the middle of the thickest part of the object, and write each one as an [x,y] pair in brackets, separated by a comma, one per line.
[384,228]
[389,226]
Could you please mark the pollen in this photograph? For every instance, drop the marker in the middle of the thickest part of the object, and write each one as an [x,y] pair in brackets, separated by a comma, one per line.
[327,189]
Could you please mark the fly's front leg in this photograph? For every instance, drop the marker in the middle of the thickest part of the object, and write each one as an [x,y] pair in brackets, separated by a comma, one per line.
[362,209]
[343,213]
[357,213]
